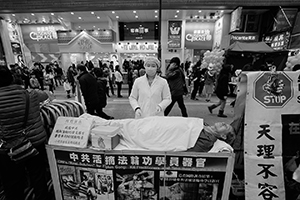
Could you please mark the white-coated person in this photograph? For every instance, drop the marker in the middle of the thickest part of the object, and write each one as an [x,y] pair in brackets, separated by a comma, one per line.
[150,93]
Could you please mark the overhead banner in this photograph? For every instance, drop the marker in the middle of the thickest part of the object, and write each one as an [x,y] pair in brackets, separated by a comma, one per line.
[199,35]
[278,41]
[174,34]
[272,136]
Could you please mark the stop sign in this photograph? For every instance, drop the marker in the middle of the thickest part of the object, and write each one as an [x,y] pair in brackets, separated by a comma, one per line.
[273,90]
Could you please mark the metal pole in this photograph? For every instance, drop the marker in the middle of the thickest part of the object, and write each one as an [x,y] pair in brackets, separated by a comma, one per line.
[159,31]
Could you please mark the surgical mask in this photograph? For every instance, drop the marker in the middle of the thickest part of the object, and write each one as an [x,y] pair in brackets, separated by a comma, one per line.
[151,70]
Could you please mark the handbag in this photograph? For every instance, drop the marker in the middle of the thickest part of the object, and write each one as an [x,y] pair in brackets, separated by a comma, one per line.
[22,149]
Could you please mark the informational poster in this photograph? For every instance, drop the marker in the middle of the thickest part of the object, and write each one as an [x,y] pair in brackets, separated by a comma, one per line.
[271,136]
[174,34]
[71,131]
[139,175]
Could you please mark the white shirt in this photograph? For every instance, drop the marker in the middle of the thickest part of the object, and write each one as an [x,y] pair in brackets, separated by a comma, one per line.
[119,77]
[148,97]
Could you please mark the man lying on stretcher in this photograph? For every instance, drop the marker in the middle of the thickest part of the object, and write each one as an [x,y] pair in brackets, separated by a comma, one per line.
[159,133]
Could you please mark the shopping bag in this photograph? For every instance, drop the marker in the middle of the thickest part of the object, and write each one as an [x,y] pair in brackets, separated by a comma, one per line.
[22,150]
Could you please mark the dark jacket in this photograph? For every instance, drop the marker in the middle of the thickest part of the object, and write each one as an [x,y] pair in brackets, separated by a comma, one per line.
[101,84]
[204,142]
[176,80]
[223,82]
[12,110]
[89,89]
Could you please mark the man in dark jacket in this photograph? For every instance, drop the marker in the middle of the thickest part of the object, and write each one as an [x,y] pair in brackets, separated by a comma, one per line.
[13,99]
[88,86]
[176,81]
[101,86]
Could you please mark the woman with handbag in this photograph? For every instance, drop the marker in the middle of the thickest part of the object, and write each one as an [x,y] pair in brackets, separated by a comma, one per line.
[22,140]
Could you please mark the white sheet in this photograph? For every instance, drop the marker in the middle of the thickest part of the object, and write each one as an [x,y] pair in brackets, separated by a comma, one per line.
[155,133]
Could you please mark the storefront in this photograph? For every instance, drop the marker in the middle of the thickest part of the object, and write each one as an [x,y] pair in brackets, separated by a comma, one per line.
[81,46]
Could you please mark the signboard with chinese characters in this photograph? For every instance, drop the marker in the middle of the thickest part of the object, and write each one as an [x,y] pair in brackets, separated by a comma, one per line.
[174,34]
[235,23]
[138,31]
[136,47]
[199,35]
[40,33]
[271,135]
[86,173]
[278,41]
[243,37]
[71,131]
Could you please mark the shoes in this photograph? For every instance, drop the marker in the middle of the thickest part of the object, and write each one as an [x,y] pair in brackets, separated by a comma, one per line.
[111,118]
[221,114]
[210,109]
[120,96]
[195,99]
[207,100]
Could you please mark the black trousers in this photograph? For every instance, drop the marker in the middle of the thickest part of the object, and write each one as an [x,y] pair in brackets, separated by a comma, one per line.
[14,176]
[195,89]
[96,110]
[179,100]
[119,86]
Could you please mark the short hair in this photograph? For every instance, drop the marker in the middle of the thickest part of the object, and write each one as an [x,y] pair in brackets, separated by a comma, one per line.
[296,67]
[152,60]
[175,60]
[6,77]
[98,72]
[230,137]
[81,67]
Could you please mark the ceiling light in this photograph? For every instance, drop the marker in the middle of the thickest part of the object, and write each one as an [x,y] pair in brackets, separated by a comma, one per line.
[52,13]
[117,17]
[13,14]
[92,13]
[199,11]
[113,12]
[79,26]
[155,11]
[72,13]
[177,11]
[222,11]
[155,16]
[32,14]
[94,26]
[98,17]
[79,17]
[136,16]
[176,16]
[134,11]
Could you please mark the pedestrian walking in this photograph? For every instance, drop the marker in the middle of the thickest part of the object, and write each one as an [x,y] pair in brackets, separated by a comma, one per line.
[176,80]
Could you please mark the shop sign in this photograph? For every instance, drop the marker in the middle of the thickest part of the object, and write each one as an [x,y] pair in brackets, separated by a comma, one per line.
[40,33]
[103,36]
[273,90]
[138,31]
[235,23]
[174,34]
[243,37]
[278,41]
[199,35]
[139,47]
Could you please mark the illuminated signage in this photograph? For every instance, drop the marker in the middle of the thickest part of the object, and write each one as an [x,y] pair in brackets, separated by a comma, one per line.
[43,33]
[149,47]
[199,35]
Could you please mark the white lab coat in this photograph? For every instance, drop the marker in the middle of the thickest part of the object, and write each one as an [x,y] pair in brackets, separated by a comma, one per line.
[149,97]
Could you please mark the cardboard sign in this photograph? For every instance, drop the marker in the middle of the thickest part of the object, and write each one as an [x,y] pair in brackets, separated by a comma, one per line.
[71,132]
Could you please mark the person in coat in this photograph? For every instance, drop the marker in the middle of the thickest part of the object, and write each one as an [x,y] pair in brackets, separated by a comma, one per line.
[89,89]
[176,80]
[12,113]
[101,84]
[222,90]
[150,93]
